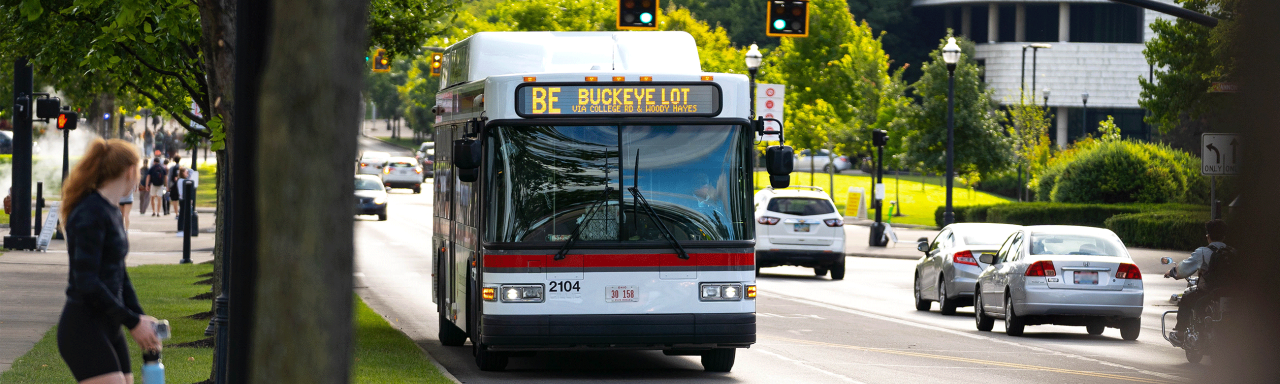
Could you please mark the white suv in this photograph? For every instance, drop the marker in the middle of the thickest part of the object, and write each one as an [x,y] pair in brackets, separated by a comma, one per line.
[799,227]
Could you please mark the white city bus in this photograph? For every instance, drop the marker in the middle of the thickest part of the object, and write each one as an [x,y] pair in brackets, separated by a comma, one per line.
[592,191]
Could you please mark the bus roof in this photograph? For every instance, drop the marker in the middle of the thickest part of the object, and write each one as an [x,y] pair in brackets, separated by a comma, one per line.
[488,54]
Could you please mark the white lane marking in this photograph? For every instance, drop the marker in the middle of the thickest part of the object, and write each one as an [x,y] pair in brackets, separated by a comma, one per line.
[976,337]
[844,378]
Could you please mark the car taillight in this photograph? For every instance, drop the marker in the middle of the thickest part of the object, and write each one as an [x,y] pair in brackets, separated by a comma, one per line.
[766,220]
[386,170]
[965,257]
[417,169]
[834,222]
[1042,268]
[1128,271]
[364,165]
[844,158]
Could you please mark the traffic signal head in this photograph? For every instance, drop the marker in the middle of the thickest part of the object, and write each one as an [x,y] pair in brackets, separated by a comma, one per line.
[637,14]
[437,63]
[68,120]
[381,63]
[788,18]
[879,137]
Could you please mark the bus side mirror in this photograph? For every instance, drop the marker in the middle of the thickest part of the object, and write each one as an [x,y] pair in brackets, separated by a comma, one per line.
[466,156]
[779,160]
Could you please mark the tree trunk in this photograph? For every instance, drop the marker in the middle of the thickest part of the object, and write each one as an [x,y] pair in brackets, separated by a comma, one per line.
[308,113]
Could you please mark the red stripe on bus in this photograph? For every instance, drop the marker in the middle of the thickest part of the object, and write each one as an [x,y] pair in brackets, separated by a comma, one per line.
[620,260]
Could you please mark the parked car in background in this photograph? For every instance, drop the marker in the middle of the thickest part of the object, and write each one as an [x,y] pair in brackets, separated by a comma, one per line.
[424,148]
[1061,275]
[371,198]
[427,159]
[402,172]
[799,227]
[371,163]
[821,161]
[950,267]
[6,142]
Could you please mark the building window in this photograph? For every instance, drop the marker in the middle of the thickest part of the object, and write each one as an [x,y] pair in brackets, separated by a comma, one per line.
[978,24]
[1008,23]
[1106,23]
[1042,22]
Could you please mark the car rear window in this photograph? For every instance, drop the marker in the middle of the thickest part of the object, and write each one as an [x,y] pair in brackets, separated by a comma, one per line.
[986,238]
[402,164]
[800,206]
[1074,244]
[368,185]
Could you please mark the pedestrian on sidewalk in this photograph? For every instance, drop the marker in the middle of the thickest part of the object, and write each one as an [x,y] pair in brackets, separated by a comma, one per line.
[126,203]
[175,172]
[164,197]
[143,196]
[148,142]
[155,183]
[100,297]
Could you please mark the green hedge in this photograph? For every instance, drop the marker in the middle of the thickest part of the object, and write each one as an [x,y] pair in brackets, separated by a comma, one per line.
[1117,172]
[1181,230]
[1166,226]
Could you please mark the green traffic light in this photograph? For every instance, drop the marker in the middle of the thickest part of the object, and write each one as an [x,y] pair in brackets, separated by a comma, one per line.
[779,24]
[646,17]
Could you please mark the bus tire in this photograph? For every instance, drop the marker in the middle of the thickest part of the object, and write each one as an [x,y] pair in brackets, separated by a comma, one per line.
[718,360]
[450,335]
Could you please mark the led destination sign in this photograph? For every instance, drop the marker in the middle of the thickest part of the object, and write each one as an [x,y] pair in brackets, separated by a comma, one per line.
[574,100]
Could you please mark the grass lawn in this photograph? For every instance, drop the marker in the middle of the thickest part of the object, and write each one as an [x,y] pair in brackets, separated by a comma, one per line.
[918,200]
[383,354]
[207,190]
[4,217]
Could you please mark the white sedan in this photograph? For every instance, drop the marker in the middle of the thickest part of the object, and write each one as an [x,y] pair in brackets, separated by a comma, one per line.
[1061,275]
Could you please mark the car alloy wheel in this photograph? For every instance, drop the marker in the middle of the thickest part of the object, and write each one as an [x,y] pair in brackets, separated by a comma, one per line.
[1013,324]
[921,303]
[980,318]
[945,305]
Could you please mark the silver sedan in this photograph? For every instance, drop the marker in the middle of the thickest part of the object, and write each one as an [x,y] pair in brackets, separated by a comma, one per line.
[950,267]
[1061,275]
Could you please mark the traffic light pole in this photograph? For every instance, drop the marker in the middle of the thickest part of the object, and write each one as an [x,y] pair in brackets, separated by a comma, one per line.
[20,218]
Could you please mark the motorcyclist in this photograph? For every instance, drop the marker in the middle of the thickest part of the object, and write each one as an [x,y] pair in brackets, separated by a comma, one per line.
[1216,233]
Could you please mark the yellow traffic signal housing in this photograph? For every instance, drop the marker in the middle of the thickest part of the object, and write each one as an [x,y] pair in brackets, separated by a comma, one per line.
[437,63]
[638,14]
[787,18]
[381,63]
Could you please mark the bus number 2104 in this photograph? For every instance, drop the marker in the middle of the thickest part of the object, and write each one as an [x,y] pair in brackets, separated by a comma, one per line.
[565,286]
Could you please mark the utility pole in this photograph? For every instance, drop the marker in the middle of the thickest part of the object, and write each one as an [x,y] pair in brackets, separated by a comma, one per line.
[20,218]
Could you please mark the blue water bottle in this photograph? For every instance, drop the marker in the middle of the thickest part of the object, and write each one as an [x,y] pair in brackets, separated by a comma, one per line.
[152,369]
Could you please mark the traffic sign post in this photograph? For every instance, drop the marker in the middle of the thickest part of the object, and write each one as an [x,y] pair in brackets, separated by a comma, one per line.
[769,104]
[1219,156]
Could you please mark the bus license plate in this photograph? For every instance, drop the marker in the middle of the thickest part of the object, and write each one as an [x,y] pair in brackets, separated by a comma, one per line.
[1087,278]
[620,293]
[802,227]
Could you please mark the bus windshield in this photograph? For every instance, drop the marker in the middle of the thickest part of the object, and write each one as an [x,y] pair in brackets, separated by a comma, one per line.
[543,181]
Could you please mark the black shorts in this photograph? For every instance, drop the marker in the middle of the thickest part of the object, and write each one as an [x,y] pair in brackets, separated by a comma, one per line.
[91,344]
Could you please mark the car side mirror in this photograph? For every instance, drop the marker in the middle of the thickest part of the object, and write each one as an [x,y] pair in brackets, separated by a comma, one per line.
[779,160]
[1166,260]
[987,258]
[923,246]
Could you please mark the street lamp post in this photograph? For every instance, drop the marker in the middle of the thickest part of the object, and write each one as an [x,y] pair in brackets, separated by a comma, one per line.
[950,55]
[1022,91]
[753,58]
[1084,118]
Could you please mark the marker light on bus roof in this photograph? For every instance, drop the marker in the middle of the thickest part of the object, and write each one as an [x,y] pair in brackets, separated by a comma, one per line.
[646,78]
[530,79]
[708,78]
[619,78]
[592,78]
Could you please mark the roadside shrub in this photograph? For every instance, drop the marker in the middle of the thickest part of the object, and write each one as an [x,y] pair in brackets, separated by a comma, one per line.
[1176,230]
[1122,172]
[1003,184]
[6,158]
[1092,215]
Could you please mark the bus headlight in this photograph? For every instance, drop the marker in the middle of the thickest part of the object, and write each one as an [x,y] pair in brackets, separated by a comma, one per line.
[721,291]
[522,293]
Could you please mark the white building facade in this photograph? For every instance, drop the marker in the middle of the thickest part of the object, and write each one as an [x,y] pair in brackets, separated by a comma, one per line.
[1095,48]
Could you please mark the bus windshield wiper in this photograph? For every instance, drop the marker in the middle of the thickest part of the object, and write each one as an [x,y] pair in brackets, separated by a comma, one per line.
[577,231]
[653,215]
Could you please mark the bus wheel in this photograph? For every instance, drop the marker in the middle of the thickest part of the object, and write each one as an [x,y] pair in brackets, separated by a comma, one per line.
[718,360]
[450,335]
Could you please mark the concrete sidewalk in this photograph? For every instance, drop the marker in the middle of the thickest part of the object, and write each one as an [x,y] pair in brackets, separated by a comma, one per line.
[33,284]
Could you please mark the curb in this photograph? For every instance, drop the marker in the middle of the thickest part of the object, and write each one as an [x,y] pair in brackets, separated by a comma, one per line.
[867,223]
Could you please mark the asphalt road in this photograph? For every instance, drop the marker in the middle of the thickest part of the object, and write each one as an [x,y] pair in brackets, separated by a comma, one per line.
[863,329]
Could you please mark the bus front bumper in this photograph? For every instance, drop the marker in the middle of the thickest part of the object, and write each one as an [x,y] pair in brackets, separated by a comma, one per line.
[653,331]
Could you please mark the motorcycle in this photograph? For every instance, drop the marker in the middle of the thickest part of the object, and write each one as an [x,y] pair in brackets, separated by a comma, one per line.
[1198,337]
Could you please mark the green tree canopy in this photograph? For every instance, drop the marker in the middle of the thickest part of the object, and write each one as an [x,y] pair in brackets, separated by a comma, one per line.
[1188,59]
[980,144]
